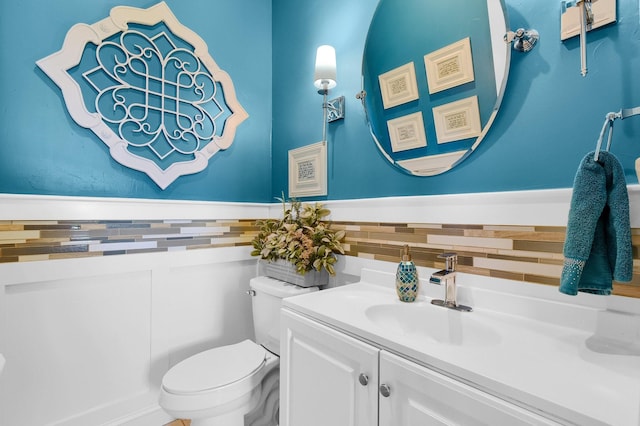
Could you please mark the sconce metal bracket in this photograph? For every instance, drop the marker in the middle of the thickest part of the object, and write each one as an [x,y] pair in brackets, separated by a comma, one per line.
[600,13]
[523,40]
[335,109]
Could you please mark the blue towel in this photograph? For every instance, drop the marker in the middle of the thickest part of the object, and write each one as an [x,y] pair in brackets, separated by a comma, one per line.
[597,247]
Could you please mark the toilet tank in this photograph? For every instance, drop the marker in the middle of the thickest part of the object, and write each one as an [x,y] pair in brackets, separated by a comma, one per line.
[266,303]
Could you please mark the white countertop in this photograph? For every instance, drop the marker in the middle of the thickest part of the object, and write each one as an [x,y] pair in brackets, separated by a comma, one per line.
[542,365]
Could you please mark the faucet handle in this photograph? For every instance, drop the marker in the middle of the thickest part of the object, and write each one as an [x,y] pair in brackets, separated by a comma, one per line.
[450,260]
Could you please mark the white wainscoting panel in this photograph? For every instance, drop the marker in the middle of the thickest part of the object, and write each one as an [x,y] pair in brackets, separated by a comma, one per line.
[87,341]
[186,320]
[75,344]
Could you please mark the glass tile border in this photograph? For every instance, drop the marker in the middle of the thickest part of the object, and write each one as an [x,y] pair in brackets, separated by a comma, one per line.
[523,253]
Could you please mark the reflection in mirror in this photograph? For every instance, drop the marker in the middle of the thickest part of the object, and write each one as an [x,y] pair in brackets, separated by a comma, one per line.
[434,73]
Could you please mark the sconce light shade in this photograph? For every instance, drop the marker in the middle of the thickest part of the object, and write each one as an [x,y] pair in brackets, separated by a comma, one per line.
[325,73]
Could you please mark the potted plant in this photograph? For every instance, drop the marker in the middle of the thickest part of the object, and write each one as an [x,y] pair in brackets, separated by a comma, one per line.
[299,243]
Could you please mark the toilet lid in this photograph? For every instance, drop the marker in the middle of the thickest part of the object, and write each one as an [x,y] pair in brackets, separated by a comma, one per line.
[214,368]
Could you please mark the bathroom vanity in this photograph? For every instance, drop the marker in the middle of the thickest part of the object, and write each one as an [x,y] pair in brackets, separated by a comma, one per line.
[355,355]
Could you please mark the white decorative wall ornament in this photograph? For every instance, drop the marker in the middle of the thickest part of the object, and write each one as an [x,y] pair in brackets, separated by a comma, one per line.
[147,86]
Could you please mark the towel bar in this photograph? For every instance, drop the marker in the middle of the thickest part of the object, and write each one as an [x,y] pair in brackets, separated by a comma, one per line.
[608,125]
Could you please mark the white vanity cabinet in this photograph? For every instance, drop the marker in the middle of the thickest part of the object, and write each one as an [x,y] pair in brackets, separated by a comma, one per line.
[330,378]
[326,377]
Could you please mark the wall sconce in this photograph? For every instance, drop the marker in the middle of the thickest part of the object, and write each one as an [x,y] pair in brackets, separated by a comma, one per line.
[325,79]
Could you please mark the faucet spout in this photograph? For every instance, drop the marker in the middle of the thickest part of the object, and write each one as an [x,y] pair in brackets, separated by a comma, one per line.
[448,277]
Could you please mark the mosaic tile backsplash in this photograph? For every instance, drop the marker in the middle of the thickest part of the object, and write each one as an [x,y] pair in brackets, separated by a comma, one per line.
[523,253]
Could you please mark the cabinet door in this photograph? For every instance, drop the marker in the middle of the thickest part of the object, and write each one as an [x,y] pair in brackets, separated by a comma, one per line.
[326,377]
[418,396]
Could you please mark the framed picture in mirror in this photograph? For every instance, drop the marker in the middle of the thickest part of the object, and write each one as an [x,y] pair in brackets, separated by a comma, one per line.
[457,120]
[450,66]
[407,132]
[399,86]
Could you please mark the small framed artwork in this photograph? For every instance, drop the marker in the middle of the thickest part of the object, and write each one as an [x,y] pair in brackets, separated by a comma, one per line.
[308,170]
[398,86]
[457,120]
[407,132]
[450,66]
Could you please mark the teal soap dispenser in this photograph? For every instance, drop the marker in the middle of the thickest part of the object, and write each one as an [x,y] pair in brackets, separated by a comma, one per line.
[407,278]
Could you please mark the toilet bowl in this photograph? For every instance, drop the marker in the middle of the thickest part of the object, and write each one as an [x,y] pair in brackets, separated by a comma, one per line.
[219,386]
[234,385]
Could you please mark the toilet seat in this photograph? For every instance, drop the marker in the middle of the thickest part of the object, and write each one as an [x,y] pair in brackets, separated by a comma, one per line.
[218,368]
[217,382]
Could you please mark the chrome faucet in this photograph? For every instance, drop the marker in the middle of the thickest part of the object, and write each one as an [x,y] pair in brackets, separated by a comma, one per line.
[448,277]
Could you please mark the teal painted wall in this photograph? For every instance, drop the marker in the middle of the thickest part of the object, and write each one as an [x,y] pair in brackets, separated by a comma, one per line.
[43,151]
[550,118]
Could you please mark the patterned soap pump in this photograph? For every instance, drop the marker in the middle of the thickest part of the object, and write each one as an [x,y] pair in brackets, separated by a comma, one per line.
[407,278]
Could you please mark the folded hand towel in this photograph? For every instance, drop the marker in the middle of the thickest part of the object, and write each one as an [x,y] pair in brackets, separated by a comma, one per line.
[597,246]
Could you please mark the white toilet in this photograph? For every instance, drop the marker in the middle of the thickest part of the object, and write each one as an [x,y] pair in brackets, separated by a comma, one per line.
[234,385]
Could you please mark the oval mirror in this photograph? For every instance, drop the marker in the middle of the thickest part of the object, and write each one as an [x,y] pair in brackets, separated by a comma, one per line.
[433,74]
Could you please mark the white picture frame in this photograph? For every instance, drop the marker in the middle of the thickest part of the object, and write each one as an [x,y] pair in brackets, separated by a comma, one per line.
[308,170]
[450,66]
[457,120]
[399,86]
[407,132]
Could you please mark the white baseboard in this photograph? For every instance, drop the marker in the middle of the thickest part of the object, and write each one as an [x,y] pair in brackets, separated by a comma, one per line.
[142,410]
